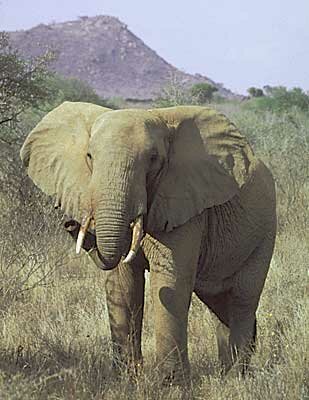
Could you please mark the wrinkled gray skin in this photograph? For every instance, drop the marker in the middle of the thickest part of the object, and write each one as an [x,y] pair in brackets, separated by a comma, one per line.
[208,206]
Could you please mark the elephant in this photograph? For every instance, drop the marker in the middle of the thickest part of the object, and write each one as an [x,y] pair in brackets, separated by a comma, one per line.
[176,191]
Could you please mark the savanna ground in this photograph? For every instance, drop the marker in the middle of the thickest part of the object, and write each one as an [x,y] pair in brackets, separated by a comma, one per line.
[54,332]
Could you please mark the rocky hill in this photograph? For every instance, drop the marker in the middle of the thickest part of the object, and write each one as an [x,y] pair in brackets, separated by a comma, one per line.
[105,53]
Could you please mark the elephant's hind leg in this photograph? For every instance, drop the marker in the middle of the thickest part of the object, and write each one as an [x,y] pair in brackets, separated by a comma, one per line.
[224,351]
[242,334]
[125,287]
[219,306]
[246,290]
[235,331]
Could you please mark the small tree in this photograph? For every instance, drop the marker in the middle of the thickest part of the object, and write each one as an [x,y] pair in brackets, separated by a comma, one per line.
[255,92]
[173,94]
[72,89]
[23,83]
[203,92]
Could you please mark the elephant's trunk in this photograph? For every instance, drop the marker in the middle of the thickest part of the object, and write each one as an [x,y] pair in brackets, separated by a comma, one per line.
[137,236]
[119,198]
[112,229]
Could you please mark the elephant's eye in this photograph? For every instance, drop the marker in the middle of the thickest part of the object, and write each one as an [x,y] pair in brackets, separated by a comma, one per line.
[89,161]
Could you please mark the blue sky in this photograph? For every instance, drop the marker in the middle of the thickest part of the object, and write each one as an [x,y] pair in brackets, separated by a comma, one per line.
[240,43]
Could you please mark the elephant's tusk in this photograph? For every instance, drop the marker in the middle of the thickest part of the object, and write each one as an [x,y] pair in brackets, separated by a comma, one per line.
[57,204]
[92,224]
[137,236]
[130,257]
[82,232]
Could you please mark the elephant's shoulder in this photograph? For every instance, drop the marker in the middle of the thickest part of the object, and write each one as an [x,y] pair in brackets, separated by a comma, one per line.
[222,140]
[261,176]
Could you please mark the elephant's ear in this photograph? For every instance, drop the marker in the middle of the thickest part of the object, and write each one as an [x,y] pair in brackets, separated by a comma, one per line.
[55,155]
[208,162]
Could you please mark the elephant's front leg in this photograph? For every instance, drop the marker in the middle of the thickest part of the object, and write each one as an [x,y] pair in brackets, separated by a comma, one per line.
[125,300]
[173,261]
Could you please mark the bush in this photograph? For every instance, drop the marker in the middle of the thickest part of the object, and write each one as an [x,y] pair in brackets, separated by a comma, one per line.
[28,87]
[23,84]
[176,94]
[255,92]
[72,89]
[29,233]
[279,99]
[173,94]
[282,141]
[203,92]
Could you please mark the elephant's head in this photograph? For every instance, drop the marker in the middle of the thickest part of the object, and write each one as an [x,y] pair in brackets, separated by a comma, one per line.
[132,170]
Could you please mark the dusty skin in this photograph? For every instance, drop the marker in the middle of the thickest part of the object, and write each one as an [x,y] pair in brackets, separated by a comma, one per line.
[200,205]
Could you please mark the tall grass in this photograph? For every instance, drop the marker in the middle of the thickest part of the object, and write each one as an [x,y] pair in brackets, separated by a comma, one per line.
[54,332]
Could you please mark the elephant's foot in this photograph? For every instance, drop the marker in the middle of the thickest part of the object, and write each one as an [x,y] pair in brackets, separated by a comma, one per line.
[174,379]
[124,365]
[236,369]
[242,342]
[135,369]
[234,350]
[234,362]
[174,370]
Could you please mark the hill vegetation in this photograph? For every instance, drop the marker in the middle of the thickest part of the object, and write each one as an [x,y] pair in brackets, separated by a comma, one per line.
[54,334]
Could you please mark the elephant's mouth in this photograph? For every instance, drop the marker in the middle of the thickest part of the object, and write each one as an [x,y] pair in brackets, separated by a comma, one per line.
[88,222]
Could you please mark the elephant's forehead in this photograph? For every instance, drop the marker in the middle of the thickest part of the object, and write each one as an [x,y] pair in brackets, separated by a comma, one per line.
[135,127]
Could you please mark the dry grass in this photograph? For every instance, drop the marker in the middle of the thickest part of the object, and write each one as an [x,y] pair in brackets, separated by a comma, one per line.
[54,333]
[55,340]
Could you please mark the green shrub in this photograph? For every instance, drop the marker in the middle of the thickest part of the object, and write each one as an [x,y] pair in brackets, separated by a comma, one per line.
[282,141]
[29,90]
[203,92]
[173,94]
[23,83]
[255,92]
[176,94]
[280,99]
[72,89]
